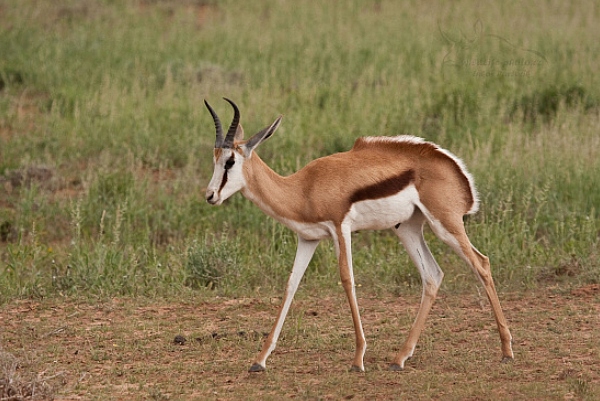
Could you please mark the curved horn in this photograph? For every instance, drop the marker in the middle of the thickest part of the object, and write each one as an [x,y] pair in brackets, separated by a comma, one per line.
[234,125]
[218,127]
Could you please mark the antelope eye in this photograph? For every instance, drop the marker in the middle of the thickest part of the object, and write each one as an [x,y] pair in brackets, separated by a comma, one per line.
[229,163]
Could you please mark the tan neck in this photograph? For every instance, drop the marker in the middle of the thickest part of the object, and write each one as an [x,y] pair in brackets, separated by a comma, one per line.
[277,196]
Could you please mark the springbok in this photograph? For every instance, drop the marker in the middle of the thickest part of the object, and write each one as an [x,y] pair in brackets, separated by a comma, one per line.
[382,182]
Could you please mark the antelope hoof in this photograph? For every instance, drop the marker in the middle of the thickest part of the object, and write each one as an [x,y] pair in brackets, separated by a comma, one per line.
[507,359]
[355,368]
[394,367]
[256,368]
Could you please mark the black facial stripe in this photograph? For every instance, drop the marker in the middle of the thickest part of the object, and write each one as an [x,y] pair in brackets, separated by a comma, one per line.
[223,182]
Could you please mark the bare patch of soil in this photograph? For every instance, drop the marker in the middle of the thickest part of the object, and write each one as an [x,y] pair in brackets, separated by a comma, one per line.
[128,349]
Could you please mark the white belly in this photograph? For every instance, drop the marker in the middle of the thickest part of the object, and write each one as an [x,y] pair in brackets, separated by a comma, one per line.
[371,214]
[311,231]
[382,213]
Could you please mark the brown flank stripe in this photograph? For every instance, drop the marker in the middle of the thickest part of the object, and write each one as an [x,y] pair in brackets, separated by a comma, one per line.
[388,187]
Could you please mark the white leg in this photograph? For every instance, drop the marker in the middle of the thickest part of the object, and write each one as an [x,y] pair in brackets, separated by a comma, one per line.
[304,254]
[344,250]
[411,235]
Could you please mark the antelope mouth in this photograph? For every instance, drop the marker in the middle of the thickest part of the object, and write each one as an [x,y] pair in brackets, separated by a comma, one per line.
[212,199]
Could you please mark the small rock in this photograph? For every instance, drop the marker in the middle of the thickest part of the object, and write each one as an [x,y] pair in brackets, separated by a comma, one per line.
[179,340]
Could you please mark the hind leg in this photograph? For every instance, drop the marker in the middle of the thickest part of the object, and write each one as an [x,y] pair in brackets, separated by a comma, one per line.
[411,236]
[452,232]
[482,269]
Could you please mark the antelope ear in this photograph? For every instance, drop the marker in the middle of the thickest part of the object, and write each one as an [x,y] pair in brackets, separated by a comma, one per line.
[239,133]
[262,135]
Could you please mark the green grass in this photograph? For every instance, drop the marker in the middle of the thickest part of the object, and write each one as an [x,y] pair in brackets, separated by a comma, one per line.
[105,97]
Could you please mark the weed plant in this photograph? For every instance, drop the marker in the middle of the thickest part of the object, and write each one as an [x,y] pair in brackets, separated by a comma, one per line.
[106,148]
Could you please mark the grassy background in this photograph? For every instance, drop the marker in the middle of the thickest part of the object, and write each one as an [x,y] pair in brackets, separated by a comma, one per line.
[105,146]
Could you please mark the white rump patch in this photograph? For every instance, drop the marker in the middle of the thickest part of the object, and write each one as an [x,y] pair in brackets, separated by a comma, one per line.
[468,176]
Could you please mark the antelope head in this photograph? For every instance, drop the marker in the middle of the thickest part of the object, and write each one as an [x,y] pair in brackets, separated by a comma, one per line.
[230,153]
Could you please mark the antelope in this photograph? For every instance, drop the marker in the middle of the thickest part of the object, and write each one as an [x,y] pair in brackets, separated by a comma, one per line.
[382,182]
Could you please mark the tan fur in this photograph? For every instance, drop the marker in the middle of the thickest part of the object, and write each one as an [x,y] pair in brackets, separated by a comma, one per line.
[325,198]
[318,192]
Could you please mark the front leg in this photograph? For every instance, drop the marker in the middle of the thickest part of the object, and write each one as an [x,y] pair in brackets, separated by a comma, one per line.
[304,253]
[344,251]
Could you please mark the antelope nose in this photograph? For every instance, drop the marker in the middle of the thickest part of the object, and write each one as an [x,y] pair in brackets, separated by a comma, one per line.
[210,197]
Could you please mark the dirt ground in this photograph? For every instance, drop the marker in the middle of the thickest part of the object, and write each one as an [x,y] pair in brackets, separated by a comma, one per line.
[134,349]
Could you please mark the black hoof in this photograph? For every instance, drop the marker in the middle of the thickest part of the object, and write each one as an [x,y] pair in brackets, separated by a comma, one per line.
[256,368]
[355,368]
[507,359]
[394,367]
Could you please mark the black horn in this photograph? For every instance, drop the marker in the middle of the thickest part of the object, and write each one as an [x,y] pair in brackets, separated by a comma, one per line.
[218,127]
[228,143]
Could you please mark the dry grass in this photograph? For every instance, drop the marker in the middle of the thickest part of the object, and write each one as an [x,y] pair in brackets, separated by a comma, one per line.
[19,380]
[124,349]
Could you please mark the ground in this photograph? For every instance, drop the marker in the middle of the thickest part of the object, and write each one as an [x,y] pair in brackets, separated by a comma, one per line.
[128,349]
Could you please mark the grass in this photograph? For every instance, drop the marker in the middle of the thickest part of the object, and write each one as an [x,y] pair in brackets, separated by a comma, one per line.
[105,146]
